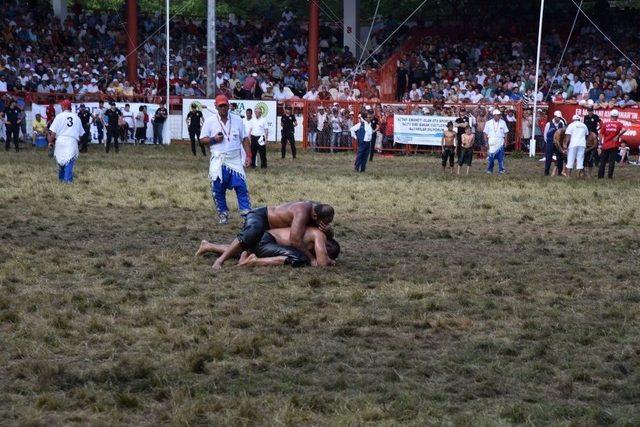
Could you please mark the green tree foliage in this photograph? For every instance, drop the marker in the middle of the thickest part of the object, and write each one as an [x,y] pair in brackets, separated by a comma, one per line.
[330,9]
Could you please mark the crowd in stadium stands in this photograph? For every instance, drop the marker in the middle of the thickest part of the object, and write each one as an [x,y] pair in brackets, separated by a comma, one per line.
[261,59]
[502,68]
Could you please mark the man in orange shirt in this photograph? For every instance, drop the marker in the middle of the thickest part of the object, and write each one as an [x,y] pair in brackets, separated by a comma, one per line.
[611,133]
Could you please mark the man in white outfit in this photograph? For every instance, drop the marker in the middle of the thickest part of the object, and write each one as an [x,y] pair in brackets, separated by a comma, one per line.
[64,134]
[224,132]
[495,134]
[319,134]
[259,135]
[578,133]
[129,119]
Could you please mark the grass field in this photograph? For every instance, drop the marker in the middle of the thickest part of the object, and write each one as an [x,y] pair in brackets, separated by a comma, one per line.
[483,300]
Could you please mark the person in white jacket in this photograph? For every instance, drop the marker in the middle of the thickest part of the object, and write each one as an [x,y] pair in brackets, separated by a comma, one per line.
[578,133]
[495,134]
[64,134]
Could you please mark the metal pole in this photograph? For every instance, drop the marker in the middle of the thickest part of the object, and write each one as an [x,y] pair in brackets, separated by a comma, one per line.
[211,48]
[314,23]
[60,9]
[168,130]
[532,143]
[132,41]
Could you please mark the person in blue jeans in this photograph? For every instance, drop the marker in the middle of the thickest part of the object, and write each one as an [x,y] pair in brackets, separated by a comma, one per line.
[362,132]
[98,119]
[495,135]
[64,135]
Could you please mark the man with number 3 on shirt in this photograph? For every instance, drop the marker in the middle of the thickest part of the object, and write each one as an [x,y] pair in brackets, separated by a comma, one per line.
[64,134]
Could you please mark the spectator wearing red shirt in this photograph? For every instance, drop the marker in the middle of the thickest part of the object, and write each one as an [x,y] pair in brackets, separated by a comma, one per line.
[51,114]
[611,133]
[249,86]
[324,94]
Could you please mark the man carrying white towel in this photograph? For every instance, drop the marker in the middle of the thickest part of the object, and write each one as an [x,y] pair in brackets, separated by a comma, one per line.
[64,134]
[577,133]
[225,133]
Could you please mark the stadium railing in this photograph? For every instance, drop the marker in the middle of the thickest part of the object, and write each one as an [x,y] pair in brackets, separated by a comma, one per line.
[306,112]
[385,112]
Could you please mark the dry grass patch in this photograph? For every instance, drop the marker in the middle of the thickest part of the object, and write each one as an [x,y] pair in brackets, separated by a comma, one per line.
[475,300]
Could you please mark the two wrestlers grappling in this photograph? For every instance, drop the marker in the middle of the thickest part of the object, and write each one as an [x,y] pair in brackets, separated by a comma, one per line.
[295,233]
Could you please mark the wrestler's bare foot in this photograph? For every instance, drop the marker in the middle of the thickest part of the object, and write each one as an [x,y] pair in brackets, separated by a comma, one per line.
[243,257]
[203,248]
[248,260]
[217,266]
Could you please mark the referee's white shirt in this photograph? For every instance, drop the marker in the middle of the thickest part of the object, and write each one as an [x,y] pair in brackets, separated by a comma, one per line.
[259,127]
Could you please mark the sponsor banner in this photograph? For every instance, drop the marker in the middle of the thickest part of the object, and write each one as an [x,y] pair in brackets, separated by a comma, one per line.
[630,118]
[207,106]
[419,130]
[93,106]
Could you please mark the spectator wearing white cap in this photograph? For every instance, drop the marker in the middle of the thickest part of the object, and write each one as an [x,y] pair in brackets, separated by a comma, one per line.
[577,133]
[550,149]
[219,78]
[495,134]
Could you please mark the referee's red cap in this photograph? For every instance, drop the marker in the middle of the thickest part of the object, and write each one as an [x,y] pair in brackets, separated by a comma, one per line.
[222,100]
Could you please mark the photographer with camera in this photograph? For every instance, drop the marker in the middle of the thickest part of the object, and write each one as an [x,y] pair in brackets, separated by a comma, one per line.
[225,134]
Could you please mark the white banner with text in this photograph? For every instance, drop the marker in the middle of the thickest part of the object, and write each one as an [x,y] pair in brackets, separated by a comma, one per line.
[419,130]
